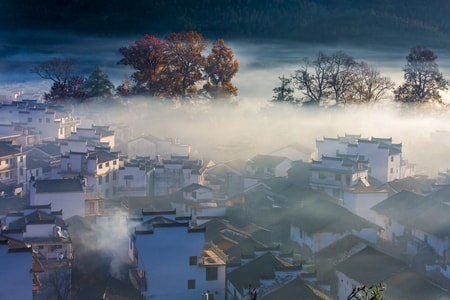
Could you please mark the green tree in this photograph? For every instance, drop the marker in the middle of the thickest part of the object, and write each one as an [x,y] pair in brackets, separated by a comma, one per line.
[98,85]
[284,92]
[423,80]
[220,68]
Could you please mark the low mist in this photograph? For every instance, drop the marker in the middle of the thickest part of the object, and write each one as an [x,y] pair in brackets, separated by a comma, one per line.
[252,124]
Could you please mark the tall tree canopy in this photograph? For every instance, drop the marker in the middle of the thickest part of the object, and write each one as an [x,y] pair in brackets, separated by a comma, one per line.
[220,68]
[175,67]
[284,92]
[149,57]
[423,80]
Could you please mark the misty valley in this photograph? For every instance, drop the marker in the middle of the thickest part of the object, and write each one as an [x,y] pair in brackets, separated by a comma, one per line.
[181,166]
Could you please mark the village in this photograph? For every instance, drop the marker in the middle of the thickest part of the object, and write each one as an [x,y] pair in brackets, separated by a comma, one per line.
[95,211]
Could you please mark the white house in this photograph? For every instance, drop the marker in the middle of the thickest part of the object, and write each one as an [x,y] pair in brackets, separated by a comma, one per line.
[334,174]
[12,168]
[152,146]
[174,174]
[98,168]
[264,166]
[133,178]
[196,201]
[295,152]
[384,156]
[319,222]
[15,276]
[371,267]
[64,194]
[172,262]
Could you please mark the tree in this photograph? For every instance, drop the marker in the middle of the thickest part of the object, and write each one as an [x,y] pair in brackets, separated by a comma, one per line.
[423,81]
[284,93]
[220,68]
[341,68]
[316,85]
[72,90]
[185,63]
[368,86]
[59,70]
[57,282]
[66,86]
[98,84]
[149,56]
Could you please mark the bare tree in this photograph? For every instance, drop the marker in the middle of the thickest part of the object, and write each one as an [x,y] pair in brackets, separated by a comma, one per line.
[57,282]
[315,85]
[368,86]
[342,68]
[58,70]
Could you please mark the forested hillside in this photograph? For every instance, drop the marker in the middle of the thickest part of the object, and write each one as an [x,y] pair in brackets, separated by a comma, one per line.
[307,20]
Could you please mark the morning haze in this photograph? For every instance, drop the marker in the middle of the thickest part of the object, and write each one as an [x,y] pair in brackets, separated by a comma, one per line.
[146,191]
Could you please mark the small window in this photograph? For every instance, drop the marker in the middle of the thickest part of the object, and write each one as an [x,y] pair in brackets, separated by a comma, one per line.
[392,170]
[192,260]
[107,164]
[21,159]
[114,162]
[107,178]
[21,171]
[37,172]
[322,176]
[338,177]
[100,166]
[191,284]
[211,273]
[69,166]
[100,179]
[41,247]
[392,158]
[114,175]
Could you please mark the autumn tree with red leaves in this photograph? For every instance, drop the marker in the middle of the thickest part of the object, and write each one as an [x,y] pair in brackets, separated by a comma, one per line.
[176,68]
[149,57]
[220,68]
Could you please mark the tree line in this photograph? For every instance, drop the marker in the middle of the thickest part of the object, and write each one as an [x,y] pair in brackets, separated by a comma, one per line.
[306,20]
[338,79]
[170,68]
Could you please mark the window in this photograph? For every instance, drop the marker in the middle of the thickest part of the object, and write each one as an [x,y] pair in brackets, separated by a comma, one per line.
[100,166]
[392,158]
[107,164]
[114,175]
[41,247]
[191,284]
[338,177]
[21,159]
[192,260]
[37,172]
[392,170]
[211,273]
[347,179]
[91,207]
[114,162]
[107,178]
[322,176]
[100,180]
[21,171]
[69,166]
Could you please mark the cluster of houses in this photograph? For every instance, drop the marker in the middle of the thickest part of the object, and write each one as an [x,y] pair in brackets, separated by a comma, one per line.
[293,223]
